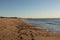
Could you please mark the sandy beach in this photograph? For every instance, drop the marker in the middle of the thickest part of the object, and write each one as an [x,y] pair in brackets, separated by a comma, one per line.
[13,28]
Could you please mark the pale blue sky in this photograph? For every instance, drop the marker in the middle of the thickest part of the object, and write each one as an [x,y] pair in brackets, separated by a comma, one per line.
[30,8]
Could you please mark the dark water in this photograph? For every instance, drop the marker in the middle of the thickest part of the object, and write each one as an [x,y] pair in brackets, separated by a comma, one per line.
[51,24]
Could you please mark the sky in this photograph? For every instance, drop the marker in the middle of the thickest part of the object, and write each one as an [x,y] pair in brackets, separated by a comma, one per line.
[30,8]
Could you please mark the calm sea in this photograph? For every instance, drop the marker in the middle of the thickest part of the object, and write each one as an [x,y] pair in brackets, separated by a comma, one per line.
[50,24]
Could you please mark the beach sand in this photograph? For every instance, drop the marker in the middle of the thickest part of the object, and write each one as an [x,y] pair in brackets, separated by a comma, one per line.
[13,28]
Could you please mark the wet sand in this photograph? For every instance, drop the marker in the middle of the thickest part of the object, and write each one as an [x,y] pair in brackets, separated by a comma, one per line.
[12,28]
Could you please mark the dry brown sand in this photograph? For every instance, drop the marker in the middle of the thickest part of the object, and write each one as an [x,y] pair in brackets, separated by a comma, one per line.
[16,29]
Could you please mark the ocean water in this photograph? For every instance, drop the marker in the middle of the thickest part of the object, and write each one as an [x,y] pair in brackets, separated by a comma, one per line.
[50,24]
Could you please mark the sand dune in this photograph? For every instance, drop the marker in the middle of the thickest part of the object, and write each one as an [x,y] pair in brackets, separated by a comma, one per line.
[13,28]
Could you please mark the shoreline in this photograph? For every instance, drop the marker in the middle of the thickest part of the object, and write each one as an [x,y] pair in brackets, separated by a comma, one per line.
[17,29]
